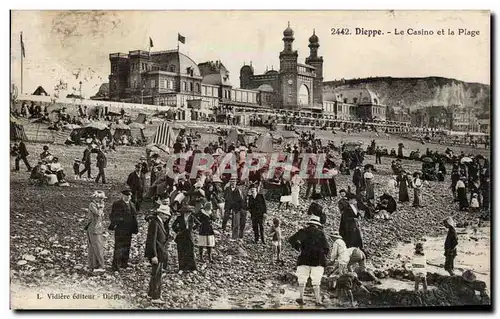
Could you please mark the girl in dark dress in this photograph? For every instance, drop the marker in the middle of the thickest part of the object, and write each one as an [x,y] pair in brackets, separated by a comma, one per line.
[403,183]
[183,226]
[206,238]
[462,194]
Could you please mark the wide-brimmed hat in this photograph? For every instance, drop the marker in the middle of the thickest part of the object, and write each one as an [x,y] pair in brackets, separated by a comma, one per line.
[314,220]
[98,194]
[351,196]
[336,235]
[469,275]
[449,221]
[198,184]
[126,192]
[187,208]
[164,209]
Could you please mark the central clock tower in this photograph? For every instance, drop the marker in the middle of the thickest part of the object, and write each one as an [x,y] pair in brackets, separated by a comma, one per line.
[288,71]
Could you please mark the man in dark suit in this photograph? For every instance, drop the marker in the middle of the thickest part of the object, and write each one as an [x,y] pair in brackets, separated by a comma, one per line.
[22,155]
[156,250]
[135,182]
[86,160]
[101,165]
[123,219]
[257,208]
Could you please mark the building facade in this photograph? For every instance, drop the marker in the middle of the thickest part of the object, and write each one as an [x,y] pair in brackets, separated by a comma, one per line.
[296,86]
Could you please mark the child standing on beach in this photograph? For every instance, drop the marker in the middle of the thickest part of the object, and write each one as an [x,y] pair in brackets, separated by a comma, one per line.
[474,203]
[418,265]
[276,239]
[76,168]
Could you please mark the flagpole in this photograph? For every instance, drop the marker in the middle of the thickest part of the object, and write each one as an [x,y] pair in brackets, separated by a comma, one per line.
[22,58]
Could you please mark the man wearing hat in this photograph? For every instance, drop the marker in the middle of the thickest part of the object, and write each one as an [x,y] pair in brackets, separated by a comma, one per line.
[22,154]
[234,204]
[157,250]
[101,165]
[86,161]
[135,182]
[123,219]
[450,245]
[257,207]
[311,263]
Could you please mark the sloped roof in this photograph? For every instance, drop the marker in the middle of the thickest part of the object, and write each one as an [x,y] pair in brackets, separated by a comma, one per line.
[180,61]
[40,91]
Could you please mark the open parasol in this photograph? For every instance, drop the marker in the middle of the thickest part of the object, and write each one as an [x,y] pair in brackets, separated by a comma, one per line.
[427,160]
[466,160]
[97,125]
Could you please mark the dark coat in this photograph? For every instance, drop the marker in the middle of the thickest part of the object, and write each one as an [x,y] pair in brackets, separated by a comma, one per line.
[157,240]
[183,230]
[451,242]
[206,228]
[102,162]
[349,228]
[257,206]
[343,203]
[123,217]
[86,159]
[357,176]
[312,244]
[234,199]
[23,152]
[135,183]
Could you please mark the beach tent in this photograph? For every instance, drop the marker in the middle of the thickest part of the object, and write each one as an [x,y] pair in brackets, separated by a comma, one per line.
[17,130]
[235,136]
[164,135]
[120,130]
[141,118]
[97,129]
[40,91]
[264,143]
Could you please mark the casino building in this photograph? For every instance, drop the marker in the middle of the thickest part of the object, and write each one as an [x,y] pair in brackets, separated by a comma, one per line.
[293,94]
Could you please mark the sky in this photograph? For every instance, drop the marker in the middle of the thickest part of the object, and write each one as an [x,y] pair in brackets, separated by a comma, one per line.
[61,44]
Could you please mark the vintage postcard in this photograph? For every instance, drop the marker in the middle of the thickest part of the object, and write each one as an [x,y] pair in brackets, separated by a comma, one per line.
[250,160]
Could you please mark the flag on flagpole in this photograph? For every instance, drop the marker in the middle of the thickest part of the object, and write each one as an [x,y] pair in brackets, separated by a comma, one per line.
[181,39]
[22,46]
[151,42]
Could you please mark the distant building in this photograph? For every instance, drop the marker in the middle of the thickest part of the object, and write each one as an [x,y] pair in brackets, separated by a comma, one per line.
[356,104]
[398,114]
[296,86]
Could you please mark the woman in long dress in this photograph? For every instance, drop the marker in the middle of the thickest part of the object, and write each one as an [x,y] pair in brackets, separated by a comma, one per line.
[370,191]
[183,226]
[462,194]
[417,188]
[349,224]
[403,184]
[296,183]
[95,232]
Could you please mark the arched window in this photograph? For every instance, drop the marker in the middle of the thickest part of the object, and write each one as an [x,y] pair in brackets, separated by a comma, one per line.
[171,68]
[184,88]
[304,95]
[191,86]
[345,100]
[198,87]
[355,100]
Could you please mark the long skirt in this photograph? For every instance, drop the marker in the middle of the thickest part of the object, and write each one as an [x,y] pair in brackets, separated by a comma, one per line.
[185,255]
[206,241]
[462,198]
[295,195]
[370,192]
[416,197]
[403,194]
[95,250]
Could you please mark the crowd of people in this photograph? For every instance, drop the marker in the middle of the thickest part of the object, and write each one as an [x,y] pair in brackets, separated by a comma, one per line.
[188,210]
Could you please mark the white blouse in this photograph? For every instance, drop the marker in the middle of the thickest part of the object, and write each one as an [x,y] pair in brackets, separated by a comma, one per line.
[368,175]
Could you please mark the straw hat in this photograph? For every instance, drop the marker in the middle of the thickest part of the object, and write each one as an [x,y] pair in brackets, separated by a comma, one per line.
[314,220]
[449,221]
[164,209]
[98,194]
[336,235]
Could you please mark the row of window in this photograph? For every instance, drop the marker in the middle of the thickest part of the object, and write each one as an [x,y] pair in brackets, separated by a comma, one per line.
[244,96]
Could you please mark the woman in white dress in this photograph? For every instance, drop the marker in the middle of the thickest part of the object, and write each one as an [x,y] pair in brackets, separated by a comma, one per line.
[296,183]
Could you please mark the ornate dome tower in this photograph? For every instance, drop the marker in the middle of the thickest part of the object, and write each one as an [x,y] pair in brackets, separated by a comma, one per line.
[317,62]
[288,70]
